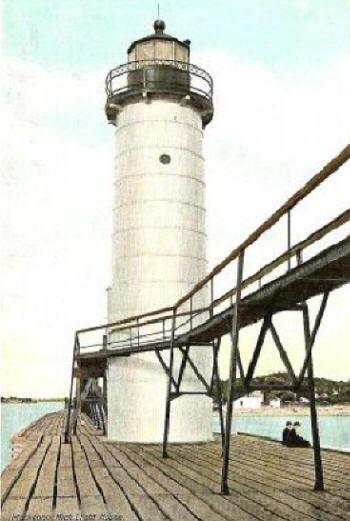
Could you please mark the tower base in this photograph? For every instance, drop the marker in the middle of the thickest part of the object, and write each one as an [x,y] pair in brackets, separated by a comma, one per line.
[136,413]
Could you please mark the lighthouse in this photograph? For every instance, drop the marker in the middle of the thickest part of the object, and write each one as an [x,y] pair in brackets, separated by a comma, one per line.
[160,104]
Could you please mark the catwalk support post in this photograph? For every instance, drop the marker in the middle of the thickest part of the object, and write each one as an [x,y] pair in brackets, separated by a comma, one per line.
[319,483]
[168,397]
[232,376]
[69,408]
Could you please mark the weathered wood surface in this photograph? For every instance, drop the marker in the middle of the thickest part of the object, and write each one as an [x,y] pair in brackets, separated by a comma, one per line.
[130,482]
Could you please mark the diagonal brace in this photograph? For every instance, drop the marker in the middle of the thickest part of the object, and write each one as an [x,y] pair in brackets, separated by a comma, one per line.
[312,337]
[239,360]
[196,372]
[232,377]
[263,330]
[283,353]
[166,368]
[216,388]
[214,368]
[182,367]
[319,482]
[88,386]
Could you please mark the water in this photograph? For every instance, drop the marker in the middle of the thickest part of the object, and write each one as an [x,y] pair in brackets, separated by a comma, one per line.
[16,416]
[334,430]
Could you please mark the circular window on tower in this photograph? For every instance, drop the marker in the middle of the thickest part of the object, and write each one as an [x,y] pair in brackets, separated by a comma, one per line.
[165,159]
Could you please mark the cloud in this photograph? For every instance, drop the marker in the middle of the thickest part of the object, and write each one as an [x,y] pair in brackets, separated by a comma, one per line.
[269,135]
[32,91]
[56,220]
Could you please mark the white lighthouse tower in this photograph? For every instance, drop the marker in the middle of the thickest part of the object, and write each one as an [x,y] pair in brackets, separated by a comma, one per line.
[160,105]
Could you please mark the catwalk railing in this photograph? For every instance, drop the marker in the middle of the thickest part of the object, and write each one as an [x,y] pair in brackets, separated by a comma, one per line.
[159,326]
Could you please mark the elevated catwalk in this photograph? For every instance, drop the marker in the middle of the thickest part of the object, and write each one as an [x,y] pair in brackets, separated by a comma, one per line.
[325,272]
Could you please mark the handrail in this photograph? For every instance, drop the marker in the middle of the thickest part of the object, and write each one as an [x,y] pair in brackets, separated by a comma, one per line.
[138,317]
[313,183]
[125,320]
[311,239]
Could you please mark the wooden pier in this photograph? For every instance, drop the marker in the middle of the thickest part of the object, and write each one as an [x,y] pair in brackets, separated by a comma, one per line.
[90,479]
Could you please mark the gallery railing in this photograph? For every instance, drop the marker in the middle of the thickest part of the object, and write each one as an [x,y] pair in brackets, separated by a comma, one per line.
[157,74]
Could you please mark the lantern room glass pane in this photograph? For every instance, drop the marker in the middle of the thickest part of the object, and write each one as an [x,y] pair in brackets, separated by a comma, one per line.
[181,53]
[132,55]
[145,50]
[164,50]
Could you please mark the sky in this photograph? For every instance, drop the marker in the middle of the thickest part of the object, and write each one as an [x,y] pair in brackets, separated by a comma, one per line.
[281,89]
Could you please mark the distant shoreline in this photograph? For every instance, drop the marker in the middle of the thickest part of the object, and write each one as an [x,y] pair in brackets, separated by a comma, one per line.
[30,400]
[296,410]
[290,410]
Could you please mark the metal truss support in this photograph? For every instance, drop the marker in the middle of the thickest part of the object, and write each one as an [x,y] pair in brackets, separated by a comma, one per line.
[97,417]
[309,341]
[216,387]
[70,399]
[246,385]
[319,483]
[100,415]
[100,407]
[240,365]
[105,389]
[168,397]
[308,363]
[98,423]
[77,403]
[282,353]
[182,367]
[211,389]
[195,370]
[89,412]
[263,330]
[91,400]
[92,413]
[165,367]
[232,377]
[311,337]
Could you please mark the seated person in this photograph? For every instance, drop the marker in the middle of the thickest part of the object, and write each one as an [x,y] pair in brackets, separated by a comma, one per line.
[286,432]
[294,439]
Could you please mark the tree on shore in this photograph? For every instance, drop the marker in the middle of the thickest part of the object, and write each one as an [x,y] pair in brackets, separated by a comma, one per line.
[326,390]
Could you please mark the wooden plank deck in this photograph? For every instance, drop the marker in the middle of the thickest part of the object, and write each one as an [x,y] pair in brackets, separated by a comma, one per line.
[131,482]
